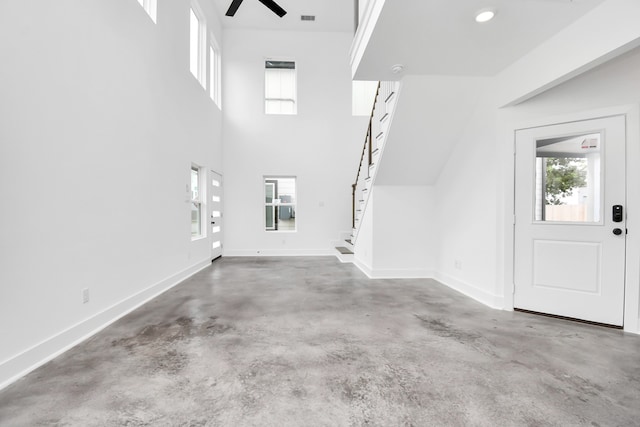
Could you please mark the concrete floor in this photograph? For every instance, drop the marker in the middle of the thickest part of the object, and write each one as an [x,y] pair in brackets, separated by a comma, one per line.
[312,342]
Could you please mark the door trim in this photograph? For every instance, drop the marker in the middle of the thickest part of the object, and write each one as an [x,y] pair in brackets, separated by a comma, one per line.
[508,131]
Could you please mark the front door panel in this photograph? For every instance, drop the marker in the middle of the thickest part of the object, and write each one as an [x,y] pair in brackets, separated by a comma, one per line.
[217,229]
[569,258]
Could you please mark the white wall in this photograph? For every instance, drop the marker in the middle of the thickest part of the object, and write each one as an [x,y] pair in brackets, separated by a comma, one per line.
[100,121]
[405,234]
[363,249]
[320,145]
[398,235]
[466,204]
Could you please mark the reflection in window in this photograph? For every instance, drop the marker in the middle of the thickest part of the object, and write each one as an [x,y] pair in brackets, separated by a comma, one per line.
[280,204]
[568,178]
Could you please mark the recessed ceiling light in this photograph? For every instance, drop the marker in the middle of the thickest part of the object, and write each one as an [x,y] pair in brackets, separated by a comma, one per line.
[485,15]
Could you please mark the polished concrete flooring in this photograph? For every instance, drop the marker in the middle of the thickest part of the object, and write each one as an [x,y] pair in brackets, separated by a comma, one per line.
[312,342]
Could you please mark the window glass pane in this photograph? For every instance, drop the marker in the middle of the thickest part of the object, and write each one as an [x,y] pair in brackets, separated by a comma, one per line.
[194,42]
[195,219]
[194,184]
[287,190]
[280,87]
[280,204]
[269,217]
[568,179]
[269,191]
[212,73]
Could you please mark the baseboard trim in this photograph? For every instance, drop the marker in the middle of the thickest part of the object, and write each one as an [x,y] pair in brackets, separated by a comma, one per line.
[484,297]
[399,273]
[279,253]
[402,274]
[363,267]
[28,360]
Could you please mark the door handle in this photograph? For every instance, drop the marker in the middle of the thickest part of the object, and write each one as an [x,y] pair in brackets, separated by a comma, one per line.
[213,222]
[617,231]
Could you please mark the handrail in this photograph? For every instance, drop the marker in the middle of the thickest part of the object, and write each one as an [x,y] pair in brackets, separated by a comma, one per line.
[368,140]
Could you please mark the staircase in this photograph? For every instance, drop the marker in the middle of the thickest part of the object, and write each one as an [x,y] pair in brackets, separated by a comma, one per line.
[376,136]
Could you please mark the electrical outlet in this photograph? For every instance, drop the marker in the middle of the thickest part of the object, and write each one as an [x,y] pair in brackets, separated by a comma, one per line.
[85,295]
[457,264]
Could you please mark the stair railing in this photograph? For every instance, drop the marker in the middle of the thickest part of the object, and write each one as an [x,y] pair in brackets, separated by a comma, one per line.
[365,158]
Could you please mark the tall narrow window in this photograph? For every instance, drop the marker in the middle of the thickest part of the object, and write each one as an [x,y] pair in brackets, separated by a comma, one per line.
[150,6]
[215,68]
[196,202]
[280,204]
[280,87]
[197,43]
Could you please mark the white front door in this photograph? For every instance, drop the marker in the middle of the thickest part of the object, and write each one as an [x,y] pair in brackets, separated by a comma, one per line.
[570,233]
[217,230]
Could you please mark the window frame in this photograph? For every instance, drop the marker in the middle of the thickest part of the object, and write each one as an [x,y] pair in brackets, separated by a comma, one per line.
[268,99]
[199,200]
[268,179]
[198,53]
[215,71]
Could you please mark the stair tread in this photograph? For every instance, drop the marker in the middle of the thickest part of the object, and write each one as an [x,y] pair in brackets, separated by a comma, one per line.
[389,97]
[344,251]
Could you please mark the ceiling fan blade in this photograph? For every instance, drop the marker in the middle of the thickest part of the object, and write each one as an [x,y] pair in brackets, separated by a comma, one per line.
[235,4]
[274,7]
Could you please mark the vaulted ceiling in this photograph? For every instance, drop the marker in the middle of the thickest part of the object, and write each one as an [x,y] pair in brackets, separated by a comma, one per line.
[331,15]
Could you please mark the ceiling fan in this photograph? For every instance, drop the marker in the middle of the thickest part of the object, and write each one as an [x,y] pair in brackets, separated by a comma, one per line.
[235,4]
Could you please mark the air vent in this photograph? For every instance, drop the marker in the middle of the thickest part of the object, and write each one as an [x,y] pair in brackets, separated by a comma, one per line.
[307,18]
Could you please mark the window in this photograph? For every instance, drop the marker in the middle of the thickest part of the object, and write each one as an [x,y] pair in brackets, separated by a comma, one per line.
[280,87]
[568,178]
[280,204]
[214,72]
[197,43]
[150,6]
[197,207]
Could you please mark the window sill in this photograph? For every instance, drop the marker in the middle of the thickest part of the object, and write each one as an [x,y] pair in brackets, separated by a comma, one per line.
[196,238]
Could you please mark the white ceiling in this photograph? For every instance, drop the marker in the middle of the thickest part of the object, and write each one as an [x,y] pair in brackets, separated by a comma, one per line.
[331,15]
[452,43]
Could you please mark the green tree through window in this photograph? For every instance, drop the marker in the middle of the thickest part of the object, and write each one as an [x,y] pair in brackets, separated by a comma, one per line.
[564,174]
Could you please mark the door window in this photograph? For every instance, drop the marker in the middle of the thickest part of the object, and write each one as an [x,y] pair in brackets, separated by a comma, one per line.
[568,179]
